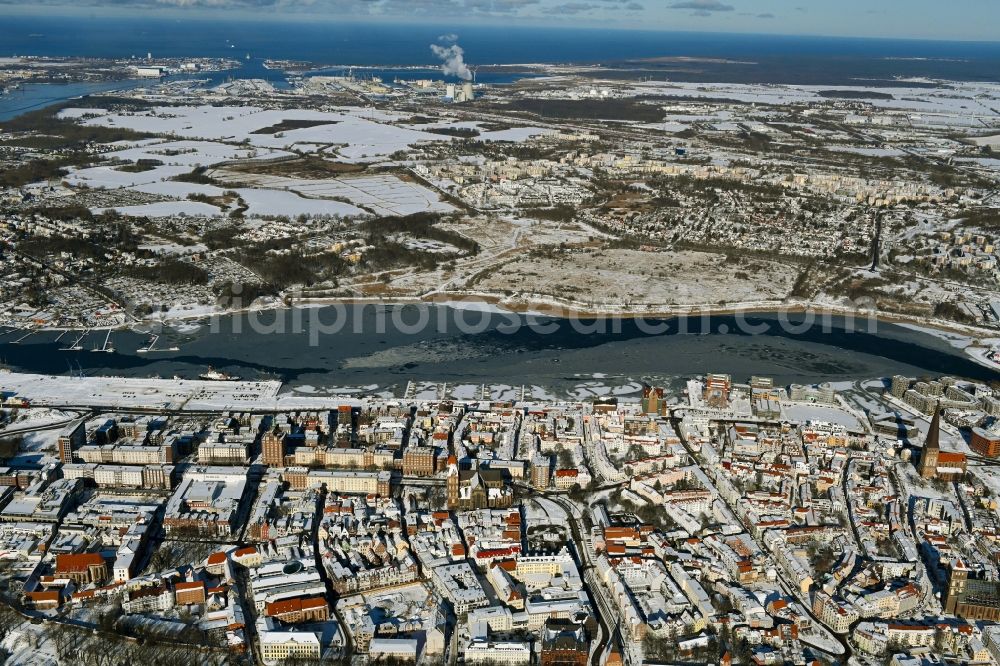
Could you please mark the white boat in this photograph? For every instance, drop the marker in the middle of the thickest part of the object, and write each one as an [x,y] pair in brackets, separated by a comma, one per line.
[213,375]
[150,346]
[106,347]
[76,346]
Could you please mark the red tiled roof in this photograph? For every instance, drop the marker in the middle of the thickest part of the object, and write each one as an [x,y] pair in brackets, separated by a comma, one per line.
[910,627]
[313,602]
[490,553]
[216,558]
[293,605]
[80,562]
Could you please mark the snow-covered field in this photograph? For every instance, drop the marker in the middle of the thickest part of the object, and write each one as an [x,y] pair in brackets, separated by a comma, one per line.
[194,153]
[669,126]
[802,412]
[278,202]
[167,208]
[39,418]
[178,189]
[360,134]
[123,392]
[956,100]
[868,152]
[169,394]
[512,134]
[104,177]
[383,194]
[206,136]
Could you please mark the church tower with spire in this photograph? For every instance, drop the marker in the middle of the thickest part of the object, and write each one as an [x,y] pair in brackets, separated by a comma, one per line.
[932,450]
[452,482]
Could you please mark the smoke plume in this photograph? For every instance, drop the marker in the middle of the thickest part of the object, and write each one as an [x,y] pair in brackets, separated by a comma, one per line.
[452,58]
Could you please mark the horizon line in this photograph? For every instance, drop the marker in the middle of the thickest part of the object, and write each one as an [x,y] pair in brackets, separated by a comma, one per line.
[527,23]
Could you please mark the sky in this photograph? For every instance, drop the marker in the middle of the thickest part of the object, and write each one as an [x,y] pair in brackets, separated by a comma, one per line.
[909,19]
